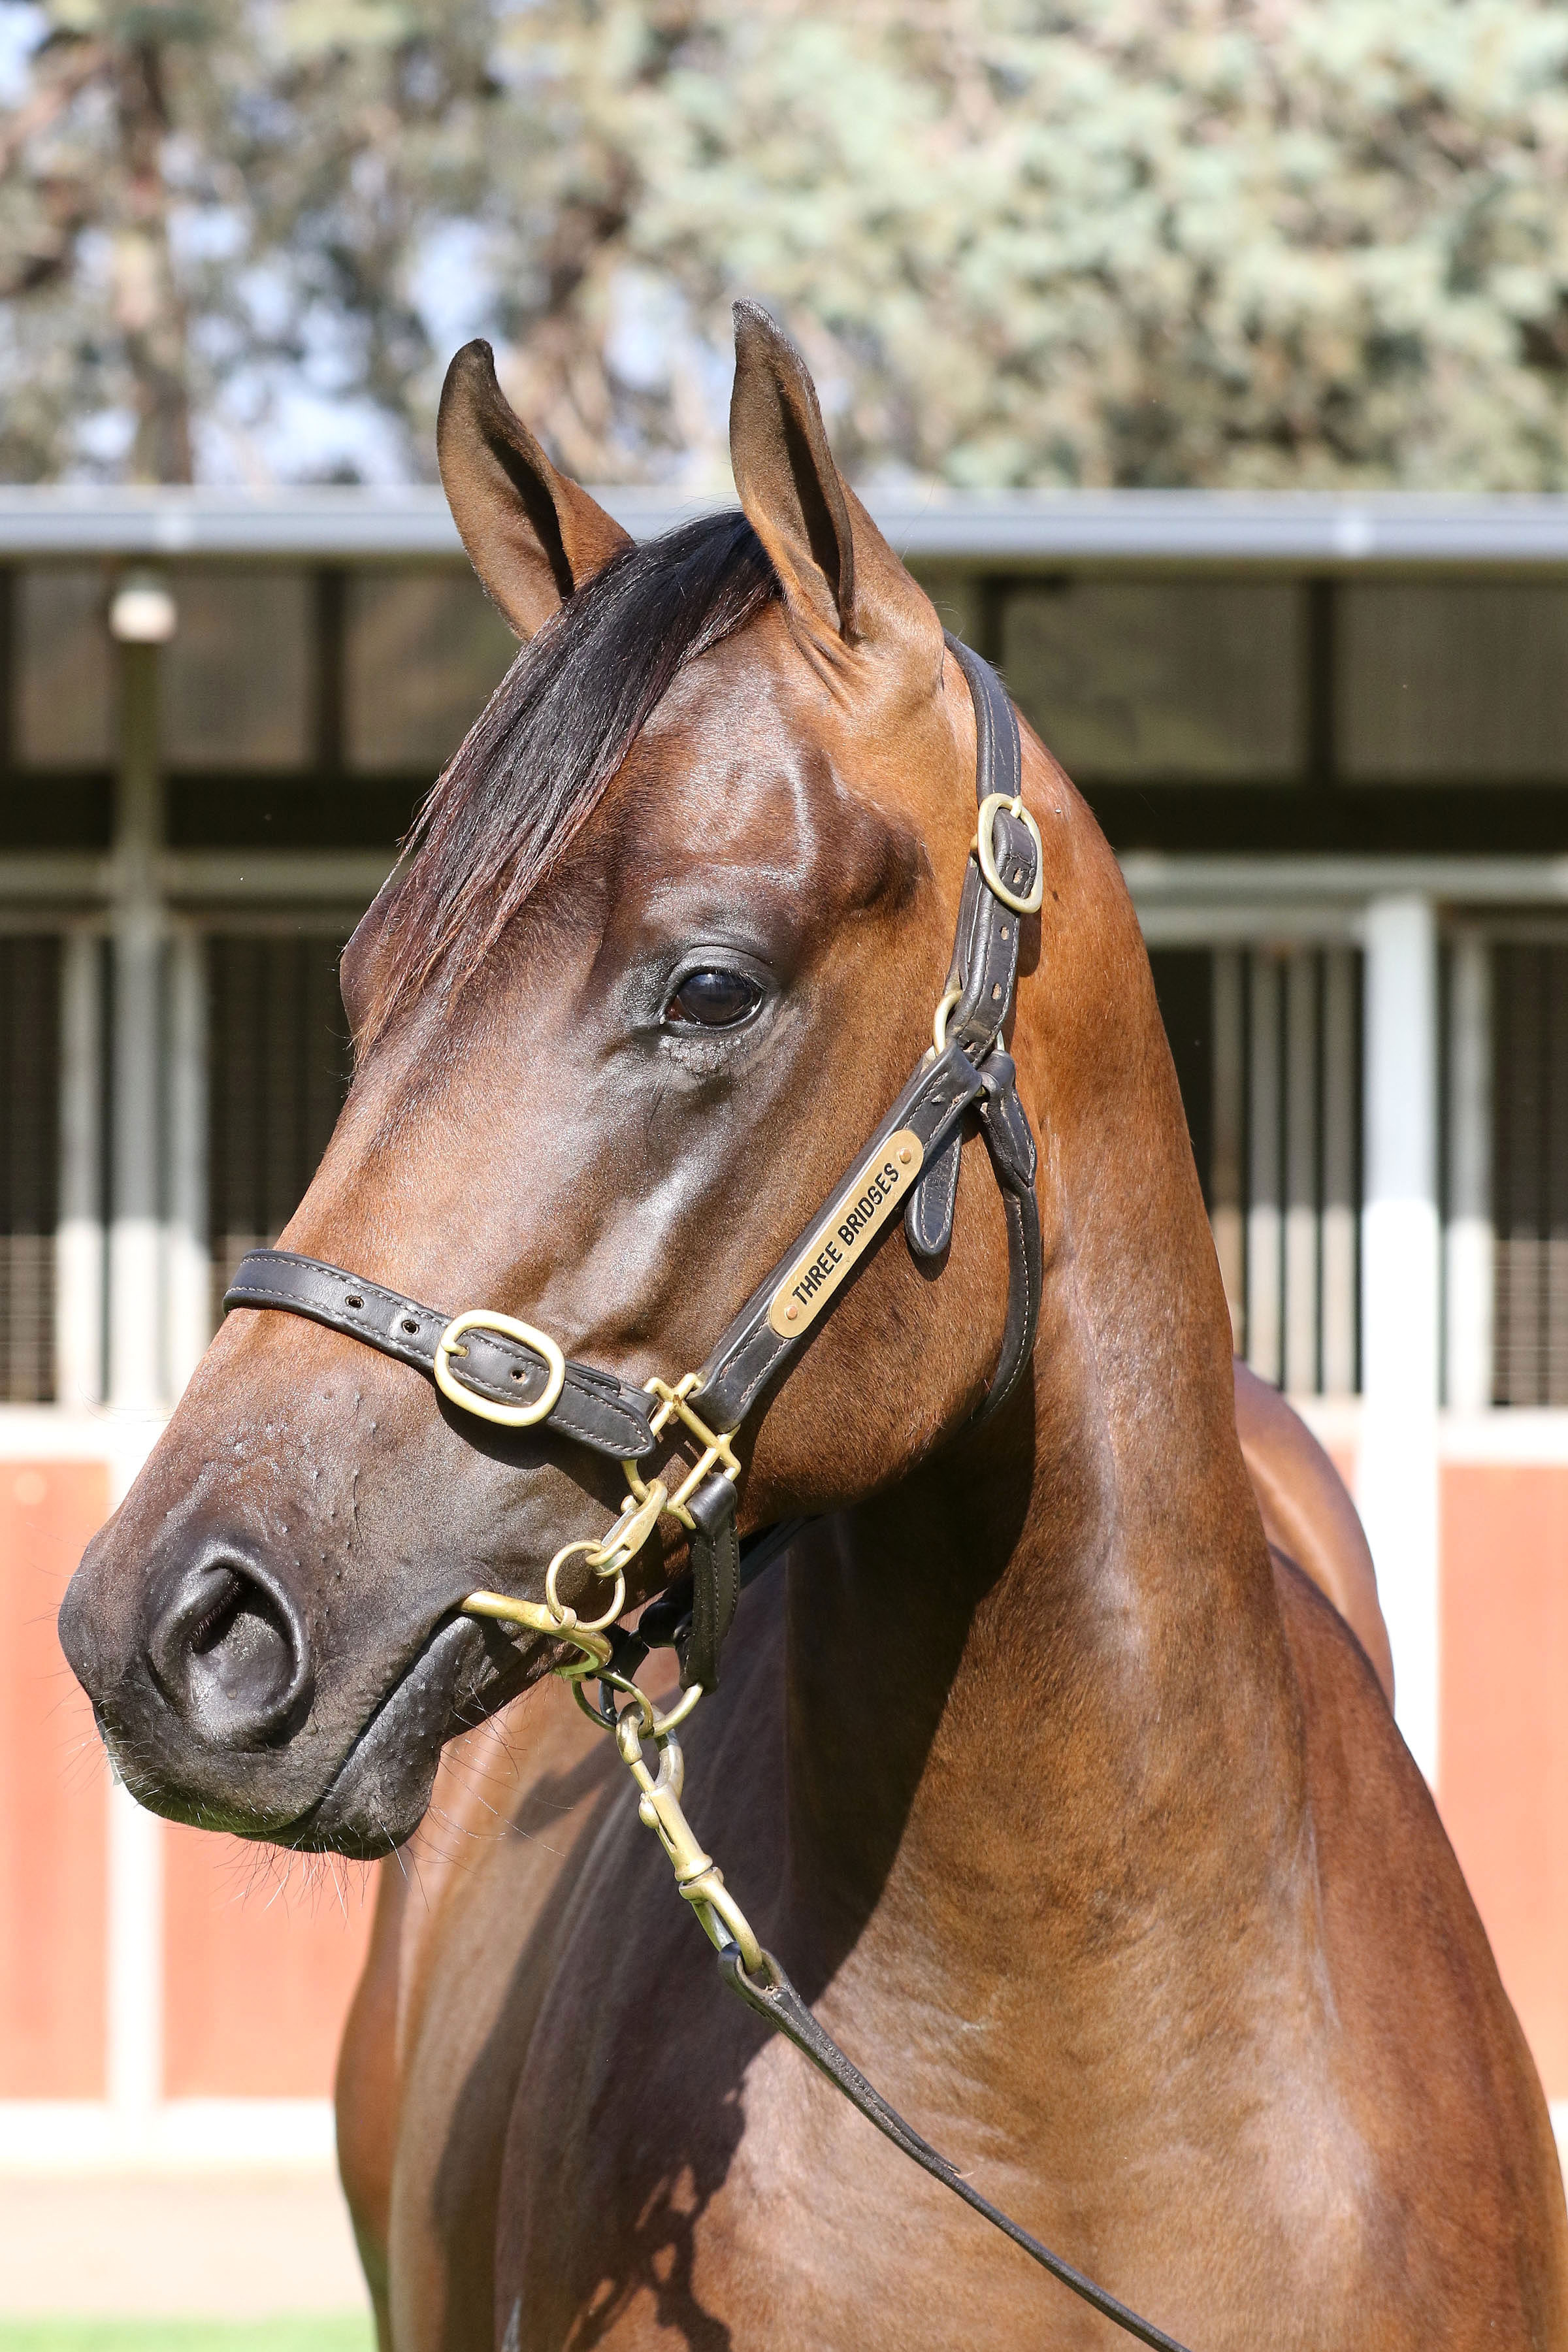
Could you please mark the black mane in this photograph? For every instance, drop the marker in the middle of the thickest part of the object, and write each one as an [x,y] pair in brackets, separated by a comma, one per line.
[536,762]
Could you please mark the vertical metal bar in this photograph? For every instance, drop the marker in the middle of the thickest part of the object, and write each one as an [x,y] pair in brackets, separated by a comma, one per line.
[1229,1129]
[1398,1469]
[1302,1172]
[1519,1202]
[1341,1208]
[1554,1178]
[135,1991]
[135,1352]
[78,1234]
[1264,1332]
[31,1185]
[1468,1242]
[189,1262]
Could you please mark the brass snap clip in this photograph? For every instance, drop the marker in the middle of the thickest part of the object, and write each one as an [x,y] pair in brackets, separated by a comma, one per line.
[697,1874]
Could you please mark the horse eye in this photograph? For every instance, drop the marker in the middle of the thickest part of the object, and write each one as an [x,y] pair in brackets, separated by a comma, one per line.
[715,999]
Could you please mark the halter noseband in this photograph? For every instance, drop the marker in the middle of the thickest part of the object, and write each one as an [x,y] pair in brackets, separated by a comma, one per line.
[515,1375]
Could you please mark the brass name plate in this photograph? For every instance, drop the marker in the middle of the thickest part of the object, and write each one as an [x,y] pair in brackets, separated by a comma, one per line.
[878,1188]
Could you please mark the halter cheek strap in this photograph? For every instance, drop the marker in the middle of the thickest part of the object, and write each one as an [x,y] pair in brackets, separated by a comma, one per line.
[514,1374]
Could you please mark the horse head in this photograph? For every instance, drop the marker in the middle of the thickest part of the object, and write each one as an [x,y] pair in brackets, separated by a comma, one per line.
[663,947]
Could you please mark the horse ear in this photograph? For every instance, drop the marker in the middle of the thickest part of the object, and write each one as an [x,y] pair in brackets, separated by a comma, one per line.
[839,575]
[531,535]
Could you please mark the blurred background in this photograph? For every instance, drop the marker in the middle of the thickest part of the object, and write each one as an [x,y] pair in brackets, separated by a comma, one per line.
[1208,362]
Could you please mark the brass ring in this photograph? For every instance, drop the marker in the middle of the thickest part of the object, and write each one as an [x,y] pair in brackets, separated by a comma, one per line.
[566,1616]
[985,850]
[509,1416]
[665,1724]
[939,1026]
[607,1678]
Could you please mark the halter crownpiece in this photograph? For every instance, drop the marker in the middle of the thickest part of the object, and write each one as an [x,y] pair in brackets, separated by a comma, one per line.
[507,1373]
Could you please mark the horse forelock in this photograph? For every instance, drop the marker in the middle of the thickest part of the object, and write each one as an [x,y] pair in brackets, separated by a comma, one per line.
[537,761]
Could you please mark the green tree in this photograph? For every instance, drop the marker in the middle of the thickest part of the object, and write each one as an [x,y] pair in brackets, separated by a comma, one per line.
[1021,241]
[197,201]
[1101,241]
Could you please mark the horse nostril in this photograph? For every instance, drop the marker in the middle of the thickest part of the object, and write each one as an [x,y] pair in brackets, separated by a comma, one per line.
[229,1654]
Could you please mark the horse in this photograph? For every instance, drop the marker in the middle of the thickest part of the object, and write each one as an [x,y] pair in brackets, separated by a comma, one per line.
[1075,1808]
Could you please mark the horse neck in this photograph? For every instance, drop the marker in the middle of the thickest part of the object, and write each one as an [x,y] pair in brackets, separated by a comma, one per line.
[1067,1618]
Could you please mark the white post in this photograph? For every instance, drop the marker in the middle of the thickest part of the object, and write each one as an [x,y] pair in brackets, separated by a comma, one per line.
[135,1235]
[1469,1251]
[189,1291]
[1302,1172]
[1341,1207]
[142,618]
[1397,1478]
[78,1237]
[1264,1225]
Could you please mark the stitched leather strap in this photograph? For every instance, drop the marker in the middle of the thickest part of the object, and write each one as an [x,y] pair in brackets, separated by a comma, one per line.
[750,1351]
[782,2009]
[715,1580]
[986,942]
[1011,1144]
[594,1407]
[927,1218]
[984,969]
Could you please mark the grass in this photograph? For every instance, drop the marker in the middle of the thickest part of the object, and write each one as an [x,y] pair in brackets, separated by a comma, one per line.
[347,2333]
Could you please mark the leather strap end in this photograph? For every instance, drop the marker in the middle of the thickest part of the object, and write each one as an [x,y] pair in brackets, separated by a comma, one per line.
[928,1212]
[715,1580]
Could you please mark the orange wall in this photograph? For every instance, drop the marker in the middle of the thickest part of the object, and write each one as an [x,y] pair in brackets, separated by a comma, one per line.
[262,1959]
[258,1968]
[53,1795]
[1504,1748]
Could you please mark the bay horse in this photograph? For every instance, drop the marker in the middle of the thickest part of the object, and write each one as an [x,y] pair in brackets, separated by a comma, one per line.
[1073,1807]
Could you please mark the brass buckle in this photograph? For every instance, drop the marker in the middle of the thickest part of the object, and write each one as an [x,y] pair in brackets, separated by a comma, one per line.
[508,1416]
[985,850]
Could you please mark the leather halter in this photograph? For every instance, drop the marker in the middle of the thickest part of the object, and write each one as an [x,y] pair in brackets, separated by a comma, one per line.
[508,1372]
[516,1375]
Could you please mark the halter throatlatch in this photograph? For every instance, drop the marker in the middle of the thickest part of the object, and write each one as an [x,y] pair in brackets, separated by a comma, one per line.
[509,1373]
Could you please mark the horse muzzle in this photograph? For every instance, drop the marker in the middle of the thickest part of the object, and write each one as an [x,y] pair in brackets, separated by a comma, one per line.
[218,1709]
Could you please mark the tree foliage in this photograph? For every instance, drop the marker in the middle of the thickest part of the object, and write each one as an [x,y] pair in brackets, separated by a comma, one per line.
[1022,241]
[211,210]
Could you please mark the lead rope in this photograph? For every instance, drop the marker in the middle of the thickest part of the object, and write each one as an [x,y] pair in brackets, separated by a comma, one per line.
[748,1969]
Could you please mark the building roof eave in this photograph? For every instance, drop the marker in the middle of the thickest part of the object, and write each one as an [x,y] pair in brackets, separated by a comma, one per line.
[1000,530]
